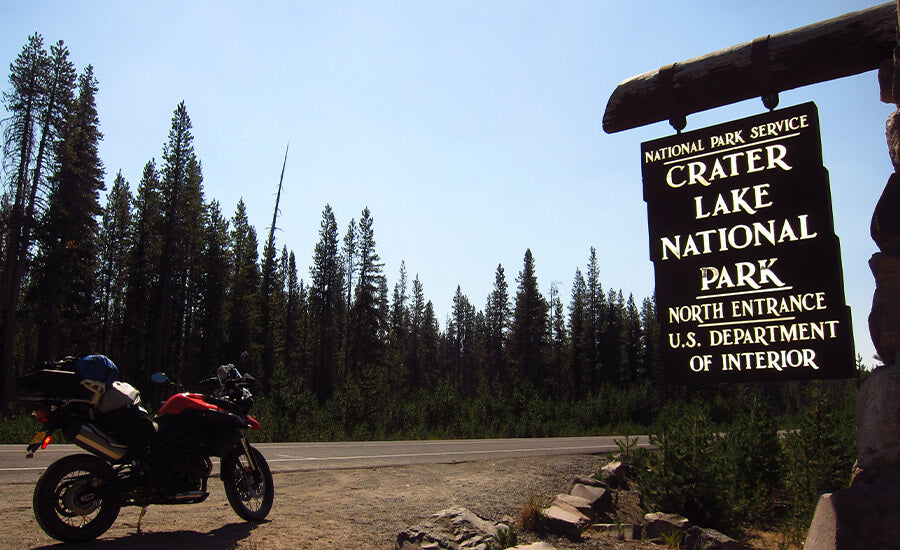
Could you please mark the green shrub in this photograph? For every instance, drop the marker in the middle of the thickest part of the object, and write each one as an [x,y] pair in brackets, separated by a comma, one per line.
[750,458]
[682,476]
[18,430]
[505,538]
[820,452]
[718,476]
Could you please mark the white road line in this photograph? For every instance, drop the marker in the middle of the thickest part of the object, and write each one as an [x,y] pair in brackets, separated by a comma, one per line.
[288,458]
[592,448]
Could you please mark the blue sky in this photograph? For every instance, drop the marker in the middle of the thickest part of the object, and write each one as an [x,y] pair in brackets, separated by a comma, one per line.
[472,130]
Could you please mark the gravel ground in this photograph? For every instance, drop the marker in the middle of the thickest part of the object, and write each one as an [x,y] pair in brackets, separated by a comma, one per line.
[339,509]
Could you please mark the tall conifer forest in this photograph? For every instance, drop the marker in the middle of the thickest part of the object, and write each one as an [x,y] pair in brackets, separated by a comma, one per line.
[159,276]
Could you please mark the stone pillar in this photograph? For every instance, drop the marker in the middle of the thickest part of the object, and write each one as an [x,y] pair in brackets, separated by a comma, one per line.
[867,514]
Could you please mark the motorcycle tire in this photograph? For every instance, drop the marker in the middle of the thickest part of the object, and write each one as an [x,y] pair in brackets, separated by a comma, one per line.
[250,492]
[66,502]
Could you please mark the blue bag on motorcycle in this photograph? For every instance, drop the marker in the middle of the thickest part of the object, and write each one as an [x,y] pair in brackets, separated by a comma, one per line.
[97,367]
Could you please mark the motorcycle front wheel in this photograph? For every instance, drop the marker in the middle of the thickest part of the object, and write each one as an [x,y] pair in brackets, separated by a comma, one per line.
[248,484]
[73,501]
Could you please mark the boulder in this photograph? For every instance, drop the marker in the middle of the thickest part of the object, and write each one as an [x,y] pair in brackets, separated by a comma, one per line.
[599,498]
[822,532]
[658,524]
[451,529]
[564,522]
[579,504]
[698,538]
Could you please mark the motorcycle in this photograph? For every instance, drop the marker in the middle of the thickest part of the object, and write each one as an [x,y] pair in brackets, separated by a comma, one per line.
[138,460]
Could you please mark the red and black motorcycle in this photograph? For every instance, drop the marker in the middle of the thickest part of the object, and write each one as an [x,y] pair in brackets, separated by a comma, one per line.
[138,460]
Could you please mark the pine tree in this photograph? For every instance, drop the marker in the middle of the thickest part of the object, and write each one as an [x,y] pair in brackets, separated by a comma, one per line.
[296,325]
[181,202]
[279,311]
[399,337]
[579,358]
[243,291]
[528,337]
[461,339]
[475,351]
[212,319]
[633,339]
[39,102]
[349,257]
[326,308]
[651,341]
[64,284]
[368,324]
[416,374]
[114,242]
[189,273]
[613,342]
[430,354]
[560,368]
[142,272]
[595,323]
[497,321]
[349,263]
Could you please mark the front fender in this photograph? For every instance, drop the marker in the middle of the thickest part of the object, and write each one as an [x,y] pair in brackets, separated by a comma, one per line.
[253,423]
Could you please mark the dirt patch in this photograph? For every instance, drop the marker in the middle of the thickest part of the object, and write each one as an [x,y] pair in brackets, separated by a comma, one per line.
[336,509]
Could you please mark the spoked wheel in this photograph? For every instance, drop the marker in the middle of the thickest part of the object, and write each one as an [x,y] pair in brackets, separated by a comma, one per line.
[73,501]
[248,484]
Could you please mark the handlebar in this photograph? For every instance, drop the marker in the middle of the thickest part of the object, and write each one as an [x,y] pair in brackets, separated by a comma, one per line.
[228,384]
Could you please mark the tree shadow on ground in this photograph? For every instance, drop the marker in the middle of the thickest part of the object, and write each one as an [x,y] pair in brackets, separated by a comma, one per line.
[221,538]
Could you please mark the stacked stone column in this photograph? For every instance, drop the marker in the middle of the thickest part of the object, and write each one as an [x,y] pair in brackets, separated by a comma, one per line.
[867,514]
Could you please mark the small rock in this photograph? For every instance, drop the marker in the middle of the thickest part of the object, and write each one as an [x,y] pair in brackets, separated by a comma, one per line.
[698,538]
[625,531]
[564,522]
[659,525]
[455,528]
[535,546]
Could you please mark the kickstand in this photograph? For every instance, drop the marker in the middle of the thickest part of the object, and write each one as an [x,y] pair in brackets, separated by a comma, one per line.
[140,517]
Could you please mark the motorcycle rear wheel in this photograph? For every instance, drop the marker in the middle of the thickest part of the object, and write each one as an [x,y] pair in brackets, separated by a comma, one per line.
[250,491]
[72,501]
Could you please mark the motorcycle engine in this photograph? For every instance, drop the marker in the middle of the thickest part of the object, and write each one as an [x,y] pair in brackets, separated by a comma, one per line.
[186,471]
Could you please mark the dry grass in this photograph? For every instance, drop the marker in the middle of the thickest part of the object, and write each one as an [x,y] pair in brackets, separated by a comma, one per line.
[530,515]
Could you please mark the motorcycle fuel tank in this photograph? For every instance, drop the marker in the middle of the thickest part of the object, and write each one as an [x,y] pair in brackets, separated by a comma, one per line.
[182,401]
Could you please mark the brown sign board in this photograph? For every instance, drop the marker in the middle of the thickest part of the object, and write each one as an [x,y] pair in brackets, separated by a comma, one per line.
[749,284]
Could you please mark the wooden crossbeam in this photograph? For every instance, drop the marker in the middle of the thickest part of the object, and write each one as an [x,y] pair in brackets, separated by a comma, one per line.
[844,46]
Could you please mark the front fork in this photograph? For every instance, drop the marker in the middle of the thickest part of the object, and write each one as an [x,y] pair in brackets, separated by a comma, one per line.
[250,460]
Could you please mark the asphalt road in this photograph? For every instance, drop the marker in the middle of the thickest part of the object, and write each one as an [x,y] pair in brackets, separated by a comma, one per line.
[15,468]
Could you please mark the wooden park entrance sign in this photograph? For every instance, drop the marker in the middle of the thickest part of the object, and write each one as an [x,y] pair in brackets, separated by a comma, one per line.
[748,271]
[747,263]
[748,275]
